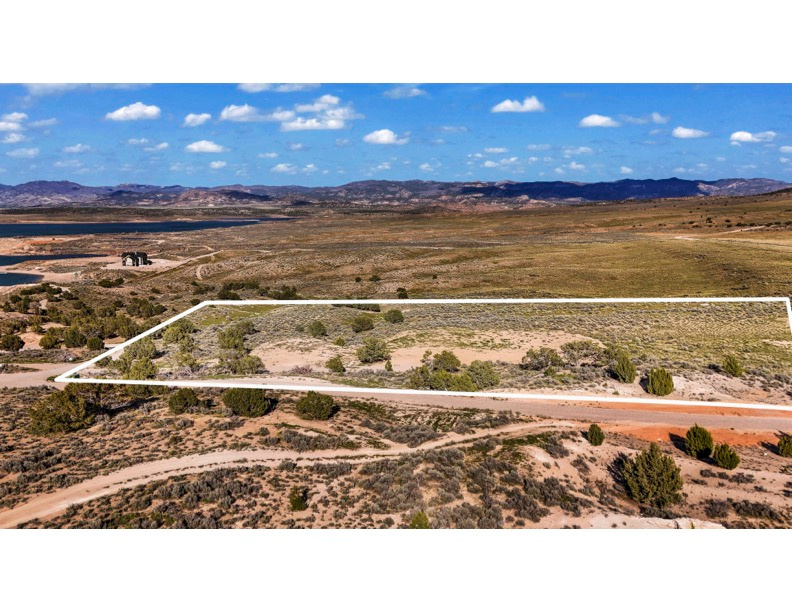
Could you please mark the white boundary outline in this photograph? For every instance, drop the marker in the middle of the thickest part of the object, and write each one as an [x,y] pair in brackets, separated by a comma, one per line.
[67,376]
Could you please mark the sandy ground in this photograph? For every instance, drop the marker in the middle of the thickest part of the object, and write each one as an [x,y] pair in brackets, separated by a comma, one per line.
[53,503]
[42,371]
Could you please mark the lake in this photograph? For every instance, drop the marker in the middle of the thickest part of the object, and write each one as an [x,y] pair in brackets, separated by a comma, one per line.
[27,230]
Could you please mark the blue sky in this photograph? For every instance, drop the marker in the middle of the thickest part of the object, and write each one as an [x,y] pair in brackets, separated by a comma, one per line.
[278,134]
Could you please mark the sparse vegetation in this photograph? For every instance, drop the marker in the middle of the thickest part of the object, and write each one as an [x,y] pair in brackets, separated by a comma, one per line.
[541,359]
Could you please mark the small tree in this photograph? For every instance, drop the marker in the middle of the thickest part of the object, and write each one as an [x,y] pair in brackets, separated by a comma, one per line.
[622,368]
[316,406]
[652,478]
[334,364]
[11,342]
[182,400]
[362,323]
[298,499]
[446,360]
[95,343]
[141,369]
[785,445]
[483,374]
[248,402]
[420,521]
[388,366]
[726,457]
[64,411]
[394,316]
[73,338]
[732,366]
[373,350]
[659,382]
[317,329]
[541,359]
[698,442]
[595,435]
[401,293]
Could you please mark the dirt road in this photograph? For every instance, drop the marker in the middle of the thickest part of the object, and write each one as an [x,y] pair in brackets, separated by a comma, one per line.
[51,504]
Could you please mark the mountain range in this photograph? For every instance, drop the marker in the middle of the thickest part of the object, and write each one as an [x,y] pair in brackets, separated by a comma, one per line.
[61,193]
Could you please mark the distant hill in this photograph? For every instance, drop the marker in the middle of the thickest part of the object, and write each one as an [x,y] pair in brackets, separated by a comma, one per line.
[58,193]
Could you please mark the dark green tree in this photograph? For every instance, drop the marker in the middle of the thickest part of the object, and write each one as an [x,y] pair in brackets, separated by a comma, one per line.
[182,400]
[595,435]
[483,374]
[335,364]
[248,402]
[317,329]
[541,359]
[394,316]
[732,366]
[420,521]
[362,323]
[622,368]
[316,406]
[659,382]
[726,457]
[373,350]
[652,478]
[698,442]
[785,445]
[298,499]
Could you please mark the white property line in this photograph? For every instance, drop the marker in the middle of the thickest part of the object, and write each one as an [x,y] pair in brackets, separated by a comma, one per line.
[67,376]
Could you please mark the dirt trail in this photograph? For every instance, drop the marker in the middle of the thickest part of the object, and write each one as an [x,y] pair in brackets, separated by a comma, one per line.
[38,377]
[50,504]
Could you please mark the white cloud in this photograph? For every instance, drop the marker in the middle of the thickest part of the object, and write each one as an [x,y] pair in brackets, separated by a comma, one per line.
[284,168]
[405,91]
[569,151]
[626,170]
[13,138]
[23,153]
[427,167]
[134,112]
[529,105]
[490,164]
[738,137]
[204,146]
[654,117]
[216,165]
[157,147]
[453,129]
[267,155]
[15,117]
[196,119]
[383,166]
[496,150]
[576,166]
[44,123]
[598,121]
[277,87]
[785,149]
[137,141]
[295,146]
[320,104]
[537,147]
[309,168]
[314,123]
[68,163]
[385,137]
[10,126]
[683,132]
[78,148]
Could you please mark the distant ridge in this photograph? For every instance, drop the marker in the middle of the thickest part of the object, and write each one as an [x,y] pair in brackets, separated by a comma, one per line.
[58,193]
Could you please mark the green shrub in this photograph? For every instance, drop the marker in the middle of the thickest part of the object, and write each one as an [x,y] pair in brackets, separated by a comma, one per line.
[622,368]
[732,366]
[726,457]
[64,411]
[541,359]
[373,350]
[248,402]
[72,338]
[595,435]
[388,366]
[401,293]
[233,337]
[581,351]
[652,478]
[659,382]
[420,521]
[483,374]
[394,316]
[49,341]
[141,369]
[362,323]
[182,400]
[237,362]
[440,380]
[335,364]
[317,329]
[11,342]
[316,406]
[447,361]
[178,331]
[785,445]
[339,342]
[698,442]
[298,499]
[95,343]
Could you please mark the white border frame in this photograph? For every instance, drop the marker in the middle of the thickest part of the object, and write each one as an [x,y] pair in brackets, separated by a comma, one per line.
[67,376]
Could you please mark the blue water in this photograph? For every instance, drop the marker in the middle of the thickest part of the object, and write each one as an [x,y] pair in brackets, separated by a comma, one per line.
[10,260]
[24,230]
[10,279]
